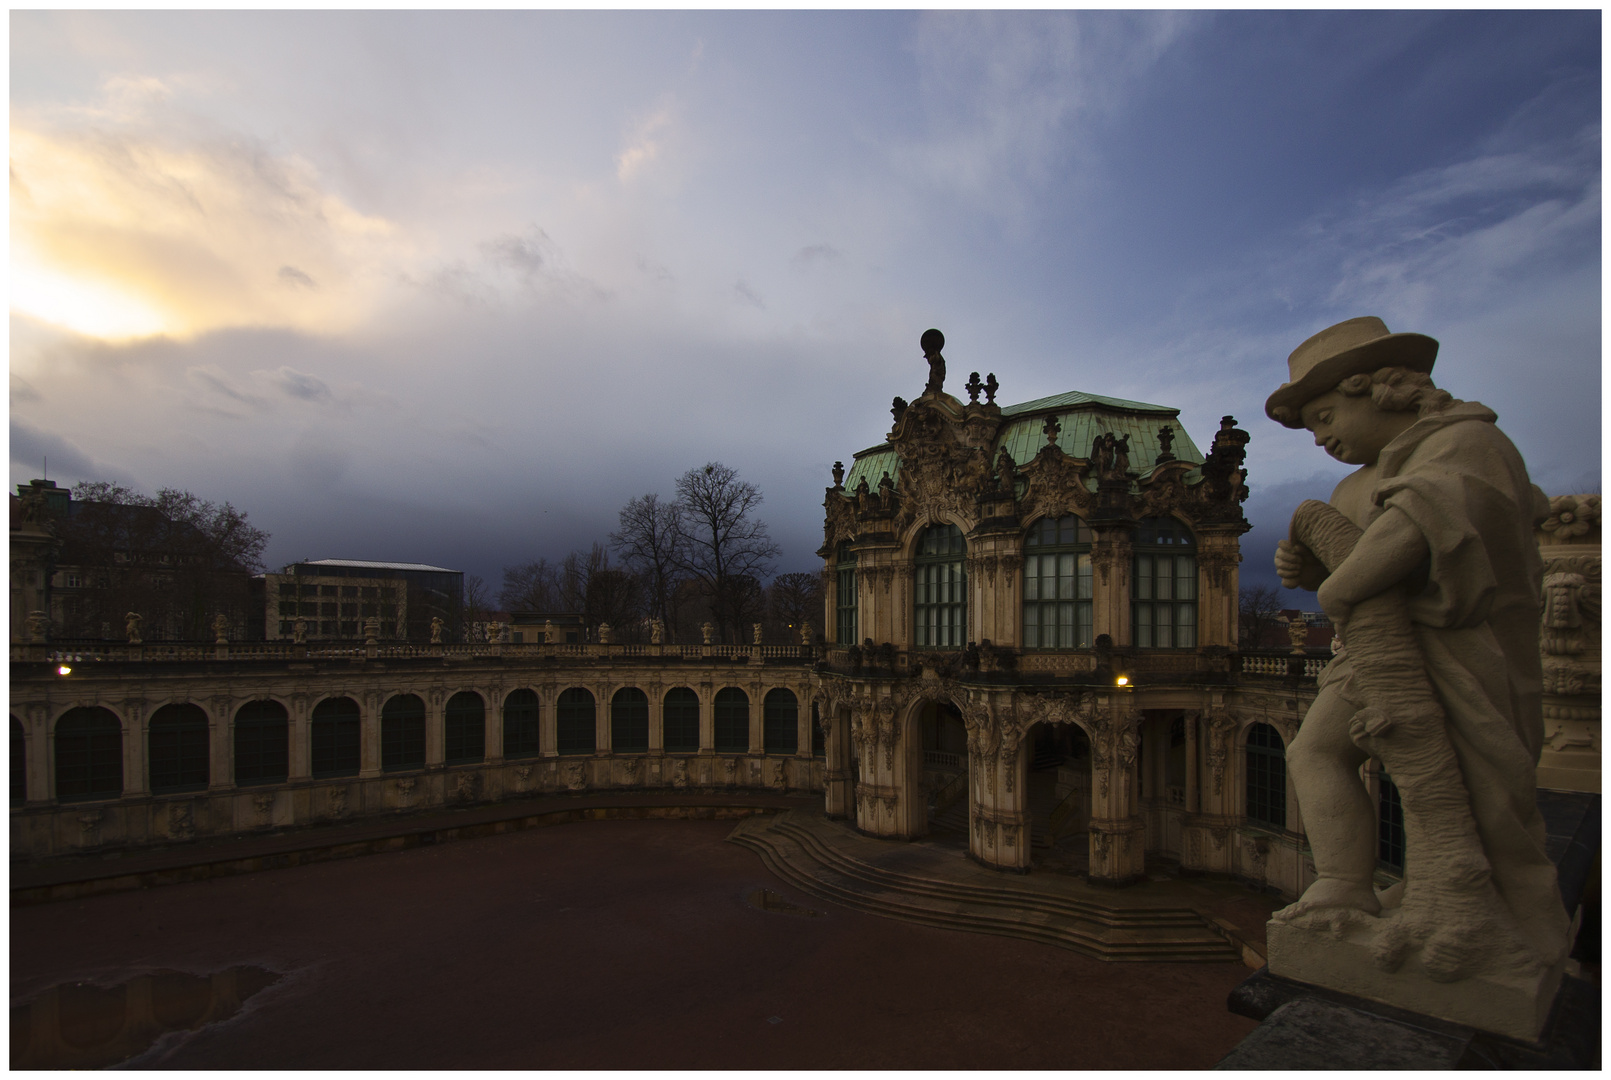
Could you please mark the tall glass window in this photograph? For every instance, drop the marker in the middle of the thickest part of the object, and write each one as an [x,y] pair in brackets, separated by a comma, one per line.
[1266,776]
[402,733]
[1389,824]
[942,589]
[629,721]
[780,730]
[680,715]
[1164,607]
[262,743]
[845,595]
[1057,584]
[464,729]
[732,721]
[177,741]
[336,737]
[521,736]
[89,755]
[575,717]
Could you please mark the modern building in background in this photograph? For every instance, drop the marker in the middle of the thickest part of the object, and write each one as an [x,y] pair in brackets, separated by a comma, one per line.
[335,596]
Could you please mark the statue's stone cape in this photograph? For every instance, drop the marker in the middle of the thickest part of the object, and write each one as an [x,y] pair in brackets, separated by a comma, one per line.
[1463,484]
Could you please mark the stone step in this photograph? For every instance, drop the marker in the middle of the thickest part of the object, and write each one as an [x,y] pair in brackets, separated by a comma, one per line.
[809,853]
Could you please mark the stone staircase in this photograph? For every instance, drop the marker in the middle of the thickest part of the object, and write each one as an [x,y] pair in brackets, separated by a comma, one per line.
[936,886]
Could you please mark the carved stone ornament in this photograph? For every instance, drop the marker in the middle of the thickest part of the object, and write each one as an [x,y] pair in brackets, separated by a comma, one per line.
[336,799]
[679,773]
[263,803]
[181,823]
[940,472]
[466,785]
[576,775]
[1221,733]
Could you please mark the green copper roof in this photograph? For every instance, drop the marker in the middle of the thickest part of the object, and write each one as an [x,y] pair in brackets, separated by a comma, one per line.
[873,464]
[1079,429]
[1079,397]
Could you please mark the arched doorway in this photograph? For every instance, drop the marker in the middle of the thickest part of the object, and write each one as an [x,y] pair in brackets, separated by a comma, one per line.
[1058,790]
[944,783]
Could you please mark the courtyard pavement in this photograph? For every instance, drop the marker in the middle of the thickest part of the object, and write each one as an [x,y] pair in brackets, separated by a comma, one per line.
[609,944]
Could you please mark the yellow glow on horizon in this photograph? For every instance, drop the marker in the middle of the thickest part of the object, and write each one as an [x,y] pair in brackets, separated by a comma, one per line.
[80,304]
[131,235]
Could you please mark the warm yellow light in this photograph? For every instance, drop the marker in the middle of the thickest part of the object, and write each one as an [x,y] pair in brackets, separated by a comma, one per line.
[81,304]
[64,670]
[1122,680]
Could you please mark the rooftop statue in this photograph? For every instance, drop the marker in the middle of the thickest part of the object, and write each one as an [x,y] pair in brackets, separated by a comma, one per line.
[1425,561]
[932,342]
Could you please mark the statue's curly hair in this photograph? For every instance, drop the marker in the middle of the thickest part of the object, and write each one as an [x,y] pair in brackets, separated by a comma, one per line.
[1398,389]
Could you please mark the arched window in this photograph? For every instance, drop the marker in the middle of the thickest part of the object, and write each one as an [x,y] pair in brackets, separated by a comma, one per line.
[942,589]
[575,719]
[680,717]
[1164,607]
[629,721]
[521,735]
[89,755]
[262,743]
[780,730]
[1266,776]
[177,743]
[19,763]
[732,721]
[402,733]
[845,594]
[464,729]
[335,737]
[1057,584]
[1389,824]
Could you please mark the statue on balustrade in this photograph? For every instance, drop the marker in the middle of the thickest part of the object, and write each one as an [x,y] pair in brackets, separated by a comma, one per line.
[1425,561]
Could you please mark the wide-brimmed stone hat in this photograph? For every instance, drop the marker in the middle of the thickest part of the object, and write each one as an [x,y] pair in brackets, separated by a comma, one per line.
[1358,345]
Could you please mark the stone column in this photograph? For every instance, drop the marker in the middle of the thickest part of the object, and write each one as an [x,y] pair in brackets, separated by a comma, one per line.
[657,719]
[757,719]
[602,735]
[494,737]
[548,720]
[40,759]
[707,719]
[1193,796]
[435,727]
[221,745]
[1118,834]
[1217,586]
[999,828]
[1112,559]
[838,800]
[369,734]
[135,781]
[802,721]
[301,749]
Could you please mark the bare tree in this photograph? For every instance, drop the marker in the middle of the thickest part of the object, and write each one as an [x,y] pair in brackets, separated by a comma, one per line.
[477,604]
[575,571]
[722,543]
[616,597]
[794,599]
[649,542]
[176,558]
[530,586]
[1257,608]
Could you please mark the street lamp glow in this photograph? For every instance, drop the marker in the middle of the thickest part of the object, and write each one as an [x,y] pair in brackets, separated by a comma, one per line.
[64,670]
[1122,680]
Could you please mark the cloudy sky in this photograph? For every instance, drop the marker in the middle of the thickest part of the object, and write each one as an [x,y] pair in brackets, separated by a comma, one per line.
[451,288]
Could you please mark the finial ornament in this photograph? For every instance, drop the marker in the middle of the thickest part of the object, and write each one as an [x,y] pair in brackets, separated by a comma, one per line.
[974,386]
[990,388]
[1051,428]
[839,474]
[1166,440]
[932,342]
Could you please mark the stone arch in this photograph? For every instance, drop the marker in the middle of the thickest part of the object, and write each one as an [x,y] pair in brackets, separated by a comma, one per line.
[932,792]
[729,704]
[521,715]
[63,710]
[88,742]
[909,538]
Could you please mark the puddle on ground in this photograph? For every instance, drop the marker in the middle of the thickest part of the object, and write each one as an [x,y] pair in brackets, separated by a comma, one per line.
[767,900]
[80,1025]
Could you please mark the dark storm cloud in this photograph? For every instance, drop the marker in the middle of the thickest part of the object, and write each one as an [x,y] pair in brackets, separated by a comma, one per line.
[816,253]
[297,384]
[290,275]
[748,295]
[32,448]
[526,255]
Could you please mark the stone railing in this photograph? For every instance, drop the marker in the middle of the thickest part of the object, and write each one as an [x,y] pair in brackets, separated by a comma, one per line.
[1279,663]
[81,652]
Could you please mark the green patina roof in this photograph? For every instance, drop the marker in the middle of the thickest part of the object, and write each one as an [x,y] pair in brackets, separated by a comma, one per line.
[1079,397]
[1081,418]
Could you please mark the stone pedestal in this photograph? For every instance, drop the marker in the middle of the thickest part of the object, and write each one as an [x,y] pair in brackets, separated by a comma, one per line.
[1512,1005]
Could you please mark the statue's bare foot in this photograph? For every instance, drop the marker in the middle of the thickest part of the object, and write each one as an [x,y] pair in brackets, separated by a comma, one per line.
[1329,900]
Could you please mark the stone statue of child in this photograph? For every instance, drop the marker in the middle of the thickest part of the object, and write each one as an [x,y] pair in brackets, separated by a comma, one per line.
[1426,563]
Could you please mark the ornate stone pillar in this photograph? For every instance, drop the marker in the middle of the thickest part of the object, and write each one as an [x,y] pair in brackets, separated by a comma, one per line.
[1118,833]
[1569,640]
[1218,557]
[1193,795]
[493,696]
[548,720]
[603,736]
[657,718]
[757,718]
[1112,555]
[707,719]
[839,801]
[36,726]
